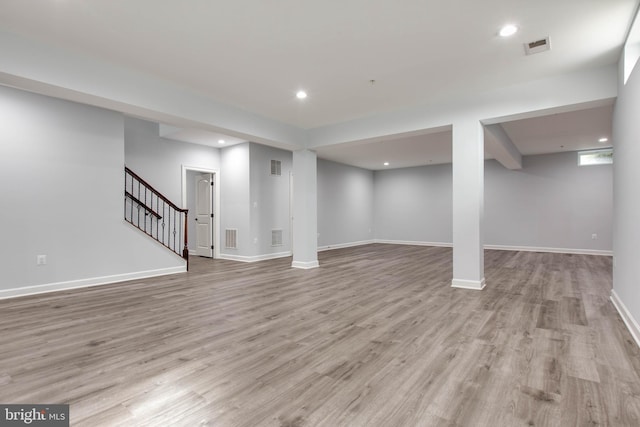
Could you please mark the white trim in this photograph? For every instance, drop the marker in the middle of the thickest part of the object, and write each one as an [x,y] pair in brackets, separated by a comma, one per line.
[85,283]
[413,243]
[468,284]
[592,151]
[550,250]
[305,265]
[255,258]
[600,252]
[627,318]
[345,245]
[216,203]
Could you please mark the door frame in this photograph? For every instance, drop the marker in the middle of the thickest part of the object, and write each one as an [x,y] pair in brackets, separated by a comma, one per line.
[291,211]
[215,200]
[206,250]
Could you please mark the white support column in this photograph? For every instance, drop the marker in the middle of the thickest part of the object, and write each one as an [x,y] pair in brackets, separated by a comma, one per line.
[305,210]
[468,205]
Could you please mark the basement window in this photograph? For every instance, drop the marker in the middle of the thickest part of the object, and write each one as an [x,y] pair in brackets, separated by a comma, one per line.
[595,157]
[631,51]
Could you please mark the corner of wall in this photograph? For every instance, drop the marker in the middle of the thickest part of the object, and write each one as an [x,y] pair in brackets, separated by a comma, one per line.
[627,317]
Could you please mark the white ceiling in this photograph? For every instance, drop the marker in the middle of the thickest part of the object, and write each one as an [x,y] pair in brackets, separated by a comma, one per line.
[417,150]
[256,54]
[576,130]
[199,136]
[570,131]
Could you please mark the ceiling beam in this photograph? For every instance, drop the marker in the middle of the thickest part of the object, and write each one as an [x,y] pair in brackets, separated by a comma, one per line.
[498,144]
[580,88]
[51,70]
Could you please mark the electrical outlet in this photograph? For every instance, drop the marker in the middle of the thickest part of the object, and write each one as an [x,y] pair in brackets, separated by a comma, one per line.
[594,236]
[41,260]
[255,240]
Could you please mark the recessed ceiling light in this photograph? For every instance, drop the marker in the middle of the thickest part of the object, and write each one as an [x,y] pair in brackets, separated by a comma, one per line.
[508,30]
[386,163]
[301,94]
[221,141]
[603,140]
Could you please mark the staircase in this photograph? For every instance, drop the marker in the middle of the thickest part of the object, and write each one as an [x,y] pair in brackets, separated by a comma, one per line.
[152,213]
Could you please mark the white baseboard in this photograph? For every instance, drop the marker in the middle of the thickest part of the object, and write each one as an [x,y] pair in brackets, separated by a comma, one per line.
[550,250]
[420,243]
[414,243]
[345,245]
[476,285]
[504,247]
[192,252]
[305,265]
[255,258]
[632,324]
[85,283]
[294,264]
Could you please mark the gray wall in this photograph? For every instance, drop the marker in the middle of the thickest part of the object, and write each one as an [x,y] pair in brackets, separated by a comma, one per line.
[345,204]
[269,199]
[159,160]
[235,198]
[61,186]
[551,203]
[626,129]
[414,204]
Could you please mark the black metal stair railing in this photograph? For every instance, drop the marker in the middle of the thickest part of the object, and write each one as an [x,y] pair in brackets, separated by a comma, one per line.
[148,210]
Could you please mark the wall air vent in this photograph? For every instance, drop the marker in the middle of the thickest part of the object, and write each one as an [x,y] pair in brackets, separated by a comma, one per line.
[276,167]
[537,46]
[276,237]
[231,238]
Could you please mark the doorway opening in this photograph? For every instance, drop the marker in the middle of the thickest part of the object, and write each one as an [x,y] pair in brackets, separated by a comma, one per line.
[201,195]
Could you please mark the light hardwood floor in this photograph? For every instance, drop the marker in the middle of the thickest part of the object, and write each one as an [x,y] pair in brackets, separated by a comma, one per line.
[374,337]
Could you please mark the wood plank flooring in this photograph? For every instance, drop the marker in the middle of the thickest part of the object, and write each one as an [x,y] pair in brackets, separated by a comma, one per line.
[374,337]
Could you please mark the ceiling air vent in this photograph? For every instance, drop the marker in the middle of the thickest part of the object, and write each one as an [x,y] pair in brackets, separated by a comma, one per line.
[537,46]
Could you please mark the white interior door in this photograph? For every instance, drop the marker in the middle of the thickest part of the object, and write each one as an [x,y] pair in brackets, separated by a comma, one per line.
[204,215]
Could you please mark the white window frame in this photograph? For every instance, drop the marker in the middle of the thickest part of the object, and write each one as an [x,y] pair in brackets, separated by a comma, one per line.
[585,153]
